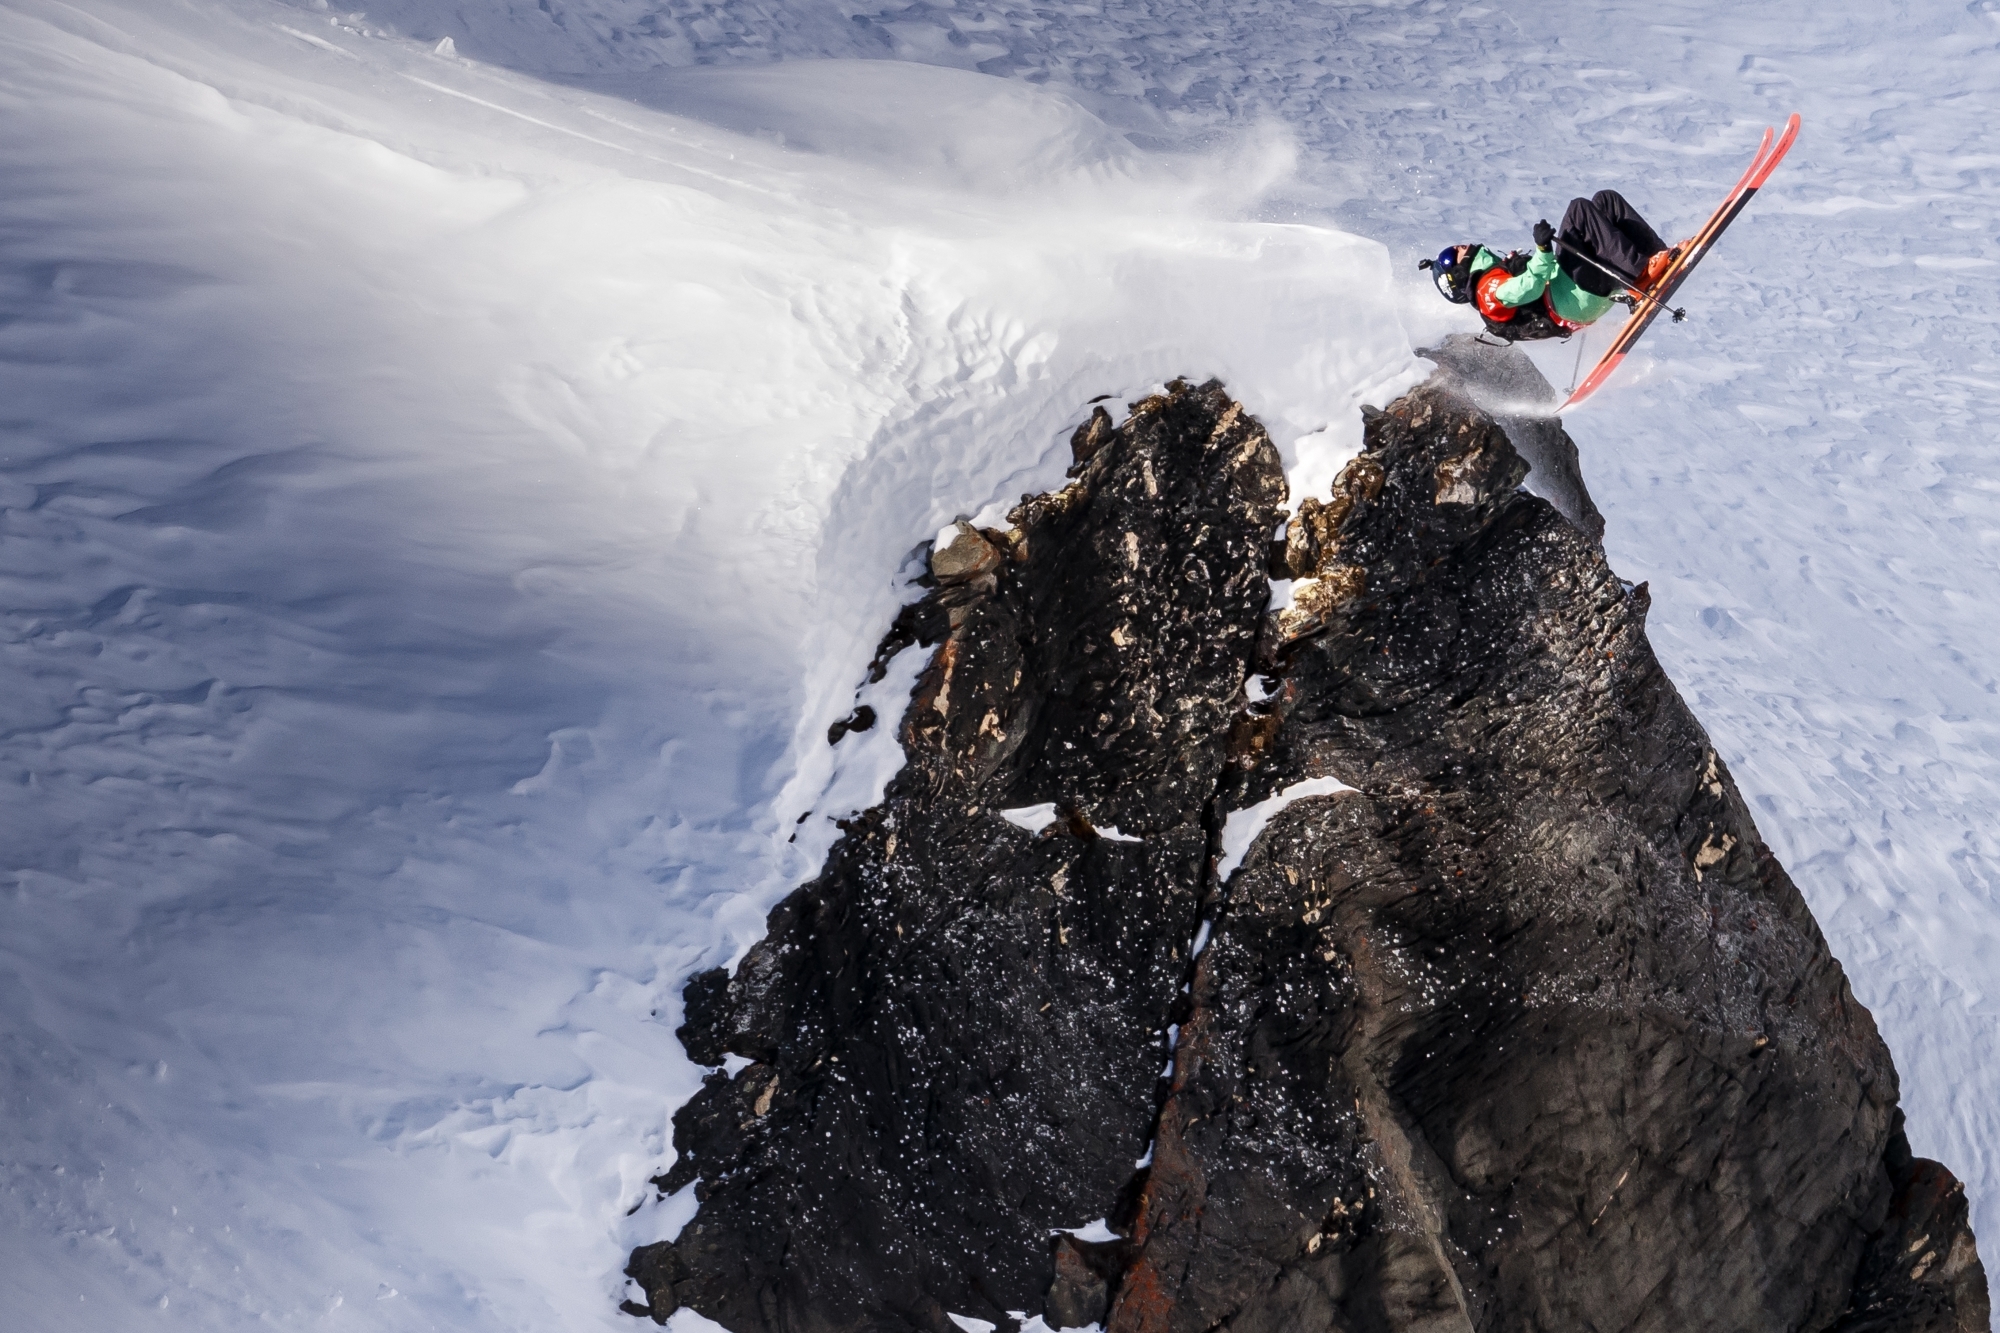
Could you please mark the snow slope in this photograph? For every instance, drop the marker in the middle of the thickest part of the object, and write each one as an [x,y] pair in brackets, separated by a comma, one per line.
[448,493]
[444,513]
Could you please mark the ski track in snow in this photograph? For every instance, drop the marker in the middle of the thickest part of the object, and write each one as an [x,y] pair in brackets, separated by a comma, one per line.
[445,497]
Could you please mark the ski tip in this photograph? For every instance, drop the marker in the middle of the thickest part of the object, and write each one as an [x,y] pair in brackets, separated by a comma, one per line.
[1771,160]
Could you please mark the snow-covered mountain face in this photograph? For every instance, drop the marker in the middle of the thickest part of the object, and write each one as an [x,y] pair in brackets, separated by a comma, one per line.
[450,490]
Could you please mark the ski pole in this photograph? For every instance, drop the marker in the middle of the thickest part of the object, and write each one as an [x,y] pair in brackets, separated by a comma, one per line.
[1619,276]
[1624,280]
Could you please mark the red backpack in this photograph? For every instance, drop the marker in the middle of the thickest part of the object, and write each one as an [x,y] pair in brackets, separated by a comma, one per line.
[1524,323]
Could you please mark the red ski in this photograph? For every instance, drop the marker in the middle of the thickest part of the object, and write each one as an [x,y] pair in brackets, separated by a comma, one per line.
[1655,299]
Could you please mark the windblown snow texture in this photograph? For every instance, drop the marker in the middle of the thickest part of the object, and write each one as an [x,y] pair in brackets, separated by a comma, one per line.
[444,513]
[1523,1027]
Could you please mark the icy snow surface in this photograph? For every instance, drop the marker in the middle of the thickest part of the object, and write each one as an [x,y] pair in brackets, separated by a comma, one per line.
[458,461]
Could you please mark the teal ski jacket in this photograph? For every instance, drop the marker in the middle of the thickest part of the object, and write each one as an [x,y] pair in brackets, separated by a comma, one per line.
[1571,302]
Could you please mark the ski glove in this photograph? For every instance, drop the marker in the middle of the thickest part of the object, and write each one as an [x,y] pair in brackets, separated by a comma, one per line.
[1545,235]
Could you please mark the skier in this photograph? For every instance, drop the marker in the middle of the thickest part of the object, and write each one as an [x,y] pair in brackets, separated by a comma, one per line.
[1609,253]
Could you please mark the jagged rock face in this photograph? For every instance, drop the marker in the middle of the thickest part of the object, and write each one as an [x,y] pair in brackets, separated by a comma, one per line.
[1532,1031]
[1527,1031]
[959,1027]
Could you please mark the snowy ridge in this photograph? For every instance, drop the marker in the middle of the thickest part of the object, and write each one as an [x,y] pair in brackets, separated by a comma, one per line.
[447,511]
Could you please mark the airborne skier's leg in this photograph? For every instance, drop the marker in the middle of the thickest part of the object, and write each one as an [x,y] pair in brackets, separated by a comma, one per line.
[1640,233]
[1611,230]
[1761,167]
[1626,218]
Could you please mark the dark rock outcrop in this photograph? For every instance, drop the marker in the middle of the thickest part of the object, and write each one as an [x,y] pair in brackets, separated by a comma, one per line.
[1503,383]
[1525,1029]
[958,1028]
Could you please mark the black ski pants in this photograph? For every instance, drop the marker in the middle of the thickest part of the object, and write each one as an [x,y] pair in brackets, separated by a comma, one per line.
[1610,231]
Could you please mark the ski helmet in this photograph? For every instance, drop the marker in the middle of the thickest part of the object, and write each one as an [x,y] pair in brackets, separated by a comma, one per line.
[1452,272]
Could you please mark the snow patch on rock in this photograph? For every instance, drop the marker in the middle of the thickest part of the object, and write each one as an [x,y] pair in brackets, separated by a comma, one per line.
[1033,818]
[1243,826]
